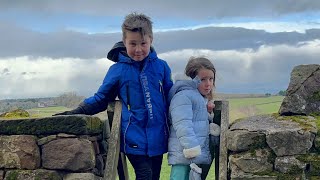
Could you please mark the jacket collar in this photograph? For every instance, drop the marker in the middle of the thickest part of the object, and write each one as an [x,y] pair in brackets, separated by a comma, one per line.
[124,58]
[119,49]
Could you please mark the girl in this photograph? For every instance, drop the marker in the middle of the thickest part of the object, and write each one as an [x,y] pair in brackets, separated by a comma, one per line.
[189,130]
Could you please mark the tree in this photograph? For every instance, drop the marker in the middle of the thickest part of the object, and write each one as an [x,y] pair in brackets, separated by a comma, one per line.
[282,93]
[69,99]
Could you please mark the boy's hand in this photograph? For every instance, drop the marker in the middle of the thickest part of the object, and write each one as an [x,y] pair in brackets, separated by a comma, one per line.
[78,110]
[210,106]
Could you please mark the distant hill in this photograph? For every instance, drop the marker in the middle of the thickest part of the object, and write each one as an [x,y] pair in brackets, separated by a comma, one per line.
[223,96]
[71,100]
[12,104]
[68,99]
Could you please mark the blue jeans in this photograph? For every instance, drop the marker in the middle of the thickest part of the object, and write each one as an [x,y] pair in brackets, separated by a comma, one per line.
[145,167]
[180,172]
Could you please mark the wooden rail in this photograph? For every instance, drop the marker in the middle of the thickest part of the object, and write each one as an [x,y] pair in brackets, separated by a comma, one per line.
[110,172]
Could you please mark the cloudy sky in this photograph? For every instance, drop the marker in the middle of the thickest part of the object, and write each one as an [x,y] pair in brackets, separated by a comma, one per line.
[52,47]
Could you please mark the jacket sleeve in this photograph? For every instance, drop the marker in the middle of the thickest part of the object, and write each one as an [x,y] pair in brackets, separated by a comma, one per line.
[181,115]
[106,93]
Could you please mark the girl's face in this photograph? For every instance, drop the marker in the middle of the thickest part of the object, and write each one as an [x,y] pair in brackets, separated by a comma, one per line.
[206,77]
[138,47]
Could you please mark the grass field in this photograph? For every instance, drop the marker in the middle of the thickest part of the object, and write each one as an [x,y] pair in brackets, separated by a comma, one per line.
[239,108]
[244,107]
[47,111]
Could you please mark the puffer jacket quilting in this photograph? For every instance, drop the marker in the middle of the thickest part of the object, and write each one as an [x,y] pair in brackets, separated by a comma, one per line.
[190,125]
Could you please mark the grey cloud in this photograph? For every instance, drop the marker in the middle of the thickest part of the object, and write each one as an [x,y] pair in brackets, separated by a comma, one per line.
[31,73]
[166,9]
[264,70]
[5,71]
[22,42]
[223,38]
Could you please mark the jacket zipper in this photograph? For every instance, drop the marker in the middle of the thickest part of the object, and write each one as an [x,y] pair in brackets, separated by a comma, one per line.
[164,101]
[162,92]
[128,96]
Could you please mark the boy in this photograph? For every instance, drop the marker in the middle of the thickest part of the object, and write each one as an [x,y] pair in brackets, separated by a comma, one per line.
[141,81]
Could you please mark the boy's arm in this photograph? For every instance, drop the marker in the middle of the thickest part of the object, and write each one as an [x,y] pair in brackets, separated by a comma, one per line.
[182,114]
[106,93]
[99,101]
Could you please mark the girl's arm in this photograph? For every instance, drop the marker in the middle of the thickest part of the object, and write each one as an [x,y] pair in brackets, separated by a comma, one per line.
[182,114]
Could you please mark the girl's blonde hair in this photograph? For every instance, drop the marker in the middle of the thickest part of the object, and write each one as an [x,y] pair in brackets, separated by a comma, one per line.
[195,64]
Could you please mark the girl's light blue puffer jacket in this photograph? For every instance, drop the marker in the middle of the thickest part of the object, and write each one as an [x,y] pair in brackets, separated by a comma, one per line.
[189,123]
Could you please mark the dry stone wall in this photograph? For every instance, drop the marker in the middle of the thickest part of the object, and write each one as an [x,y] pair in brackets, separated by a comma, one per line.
[285,145]
[53,148]
[274,147]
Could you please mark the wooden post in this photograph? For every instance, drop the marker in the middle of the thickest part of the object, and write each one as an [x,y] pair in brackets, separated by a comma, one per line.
[220,152]
[223,155]
[124,165]
[110,172]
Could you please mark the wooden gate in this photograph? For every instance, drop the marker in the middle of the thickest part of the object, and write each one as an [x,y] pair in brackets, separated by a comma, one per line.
[221,112]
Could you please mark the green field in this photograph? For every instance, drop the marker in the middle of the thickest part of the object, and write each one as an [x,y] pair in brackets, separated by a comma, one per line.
[239,108]
[244,107]
[47,111]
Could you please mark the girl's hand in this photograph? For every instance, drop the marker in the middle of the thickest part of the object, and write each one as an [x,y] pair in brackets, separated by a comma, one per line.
[210,106]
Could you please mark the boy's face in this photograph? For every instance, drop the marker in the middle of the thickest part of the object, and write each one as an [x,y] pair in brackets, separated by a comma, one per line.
[138,47]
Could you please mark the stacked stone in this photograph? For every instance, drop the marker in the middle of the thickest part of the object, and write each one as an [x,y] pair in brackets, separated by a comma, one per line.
[61,147]
[284,145]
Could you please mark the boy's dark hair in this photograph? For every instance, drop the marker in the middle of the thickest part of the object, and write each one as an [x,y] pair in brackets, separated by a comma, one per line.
[195,64]
[135,22]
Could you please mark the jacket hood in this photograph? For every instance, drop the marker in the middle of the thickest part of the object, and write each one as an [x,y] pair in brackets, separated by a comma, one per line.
[118,47]
[181,85]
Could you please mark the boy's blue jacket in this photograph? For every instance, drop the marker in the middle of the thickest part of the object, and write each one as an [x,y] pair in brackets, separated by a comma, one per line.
[143,91]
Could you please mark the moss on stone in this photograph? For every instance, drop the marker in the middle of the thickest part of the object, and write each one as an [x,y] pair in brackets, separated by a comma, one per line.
[17,113]
[37,174]
[295,170]
[48,175]
[317,117]
[313,160]
[52,125]
[270,159]
[259,143]
[12,175]
[95,125]
[315,96]
[303,121]
[280,176]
